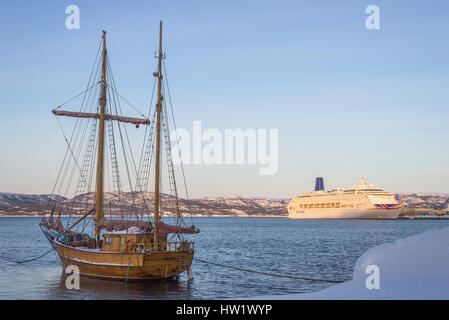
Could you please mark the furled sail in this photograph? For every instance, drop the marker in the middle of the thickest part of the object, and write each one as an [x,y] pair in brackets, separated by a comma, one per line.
[120,225]
[164,229]
[136,121]
[52,224]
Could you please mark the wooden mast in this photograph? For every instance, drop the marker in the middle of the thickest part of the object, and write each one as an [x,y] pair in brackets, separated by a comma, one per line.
[158,140]
[111,262]
[99,189]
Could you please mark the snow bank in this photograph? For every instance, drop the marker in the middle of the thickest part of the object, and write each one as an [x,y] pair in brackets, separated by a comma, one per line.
[412,268]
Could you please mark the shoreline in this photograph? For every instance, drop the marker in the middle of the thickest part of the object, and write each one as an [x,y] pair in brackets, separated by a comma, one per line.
[423,217]
[244,216]
[193,216]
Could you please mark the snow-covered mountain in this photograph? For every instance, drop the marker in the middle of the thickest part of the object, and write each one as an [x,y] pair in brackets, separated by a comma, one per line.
[424,200]
[132,203]
[14,200]
[225,205]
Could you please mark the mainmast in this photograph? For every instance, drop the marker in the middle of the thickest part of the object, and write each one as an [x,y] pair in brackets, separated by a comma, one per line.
[158,138]
[99,189]
[102,116]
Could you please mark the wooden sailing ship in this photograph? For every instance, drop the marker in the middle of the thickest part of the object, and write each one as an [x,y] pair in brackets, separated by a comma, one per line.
[128,246]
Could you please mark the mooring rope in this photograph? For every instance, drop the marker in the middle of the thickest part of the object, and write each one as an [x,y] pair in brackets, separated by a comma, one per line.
[203,261]
[267,273]
[29,260]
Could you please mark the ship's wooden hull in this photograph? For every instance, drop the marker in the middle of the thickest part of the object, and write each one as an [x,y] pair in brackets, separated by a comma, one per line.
[125,266]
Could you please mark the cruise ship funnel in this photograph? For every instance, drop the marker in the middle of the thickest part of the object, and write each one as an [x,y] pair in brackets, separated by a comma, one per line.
[319,184]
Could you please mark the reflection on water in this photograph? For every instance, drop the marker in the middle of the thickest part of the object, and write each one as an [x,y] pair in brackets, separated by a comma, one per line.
[315,249]
[103,289]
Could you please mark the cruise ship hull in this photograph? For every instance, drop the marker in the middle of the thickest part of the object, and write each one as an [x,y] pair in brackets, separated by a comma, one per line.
[359,213]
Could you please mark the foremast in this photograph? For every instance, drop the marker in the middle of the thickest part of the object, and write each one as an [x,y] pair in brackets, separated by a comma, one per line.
[158,139]
[100,169]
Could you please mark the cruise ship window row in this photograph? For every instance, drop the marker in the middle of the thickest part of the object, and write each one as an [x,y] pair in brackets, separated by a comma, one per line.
[326,205]
[320,205]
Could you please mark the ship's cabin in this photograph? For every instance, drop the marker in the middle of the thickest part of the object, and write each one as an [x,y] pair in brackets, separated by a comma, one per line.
[132,242]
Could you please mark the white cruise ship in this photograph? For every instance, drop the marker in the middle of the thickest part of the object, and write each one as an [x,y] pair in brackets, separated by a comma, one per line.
[358,202]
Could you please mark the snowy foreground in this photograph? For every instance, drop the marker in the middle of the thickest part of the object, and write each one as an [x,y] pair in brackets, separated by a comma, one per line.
[410,268]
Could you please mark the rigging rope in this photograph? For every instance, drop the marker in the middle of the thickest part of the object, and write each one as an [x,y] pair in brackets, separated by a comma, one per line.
[177,141]
[267,273]
[116,103]
[130,104]
[79,94]
[68,145]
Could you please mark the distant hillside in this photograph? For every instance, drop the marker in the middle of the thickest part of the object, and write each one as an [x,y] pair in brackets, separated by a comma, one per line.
[15,200]
[20,204]
[128,202]
[436,201]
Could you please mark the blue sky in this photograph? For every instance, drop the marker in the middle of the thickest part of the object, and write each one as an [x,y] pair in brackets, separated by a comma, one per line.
[347,101]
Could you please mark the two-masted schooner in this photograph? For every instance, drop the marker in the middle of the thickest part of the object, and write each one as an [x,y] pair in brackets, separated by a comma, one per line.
[134,243]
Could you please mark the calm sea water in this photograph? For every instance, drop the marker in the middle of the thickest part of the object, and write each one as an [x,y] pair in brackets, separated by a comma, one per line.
[317,249]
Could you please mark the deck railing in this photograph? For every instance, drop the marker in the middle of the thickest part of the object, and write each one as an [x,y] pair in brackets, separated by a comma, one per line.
[180,245]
